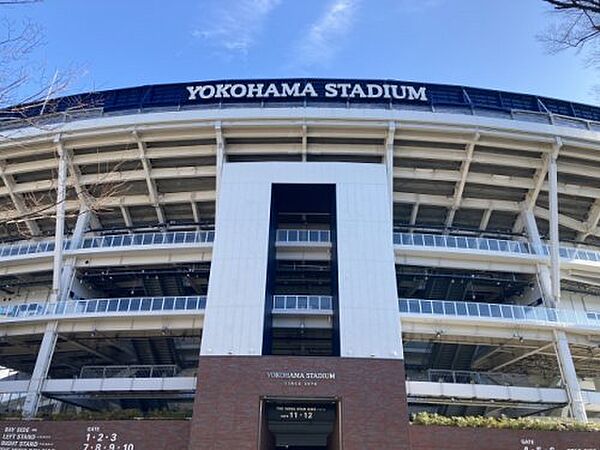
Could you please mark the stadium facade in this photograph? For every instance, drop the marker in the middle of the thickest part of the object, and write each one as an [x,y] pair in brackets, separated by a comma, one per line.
[303,263]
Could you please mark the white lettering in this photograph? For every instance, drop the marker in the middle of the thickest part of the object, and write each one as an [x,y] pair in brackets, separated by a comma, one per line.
[374,90]
[222,91]
[297,89]
[357,91]
[255,90]
[272,91]
[309,89]
[419,94]
[290,91]
[211,91]
[344,87]
[193,90]
[395,92]
[239,90]
[331,90]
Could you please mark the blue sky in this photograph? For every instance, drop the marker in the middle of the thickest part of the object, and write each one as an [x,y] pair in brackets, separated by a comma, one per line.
[483,43]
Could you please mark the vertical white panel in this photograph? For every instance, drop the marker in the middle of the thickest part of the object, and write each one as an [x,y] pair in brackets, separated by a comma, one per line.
[369,325]
[368,305]
[234,314]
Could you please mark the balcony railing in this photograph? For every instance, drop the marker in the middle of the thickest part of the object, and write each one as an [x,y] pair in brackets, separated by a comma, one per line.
[136,371]
[104,306]
[462,242]
[489,244]
[294,236]
[167,238]
[472,377]
[500,312]
[28,248]
[119,240]
[302,303]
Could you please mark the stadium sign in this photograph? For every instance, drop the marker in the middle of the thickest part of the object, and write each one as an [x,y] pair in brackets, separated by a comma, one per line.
[307,89]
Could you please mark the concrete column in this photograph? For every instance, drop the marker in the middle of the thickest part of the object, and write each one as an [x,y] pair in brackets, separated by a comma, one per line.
[59,229]
[554,237]
[569,376]
[536,244]
[62,278]
[389,163]
[68,269]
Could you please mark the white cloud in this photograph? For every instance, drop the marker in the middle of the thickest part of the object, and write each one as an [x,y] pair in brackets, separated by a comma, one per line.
[325,35]
[418,6]
[234,25]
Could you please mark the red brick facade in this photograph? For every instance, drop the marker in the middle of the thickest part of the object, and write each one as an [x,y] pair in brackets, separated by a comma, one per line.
[370,392]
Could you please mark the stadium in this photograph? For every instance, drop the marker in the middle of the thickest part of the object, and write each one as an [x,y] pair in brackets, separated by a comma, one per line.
[299,263]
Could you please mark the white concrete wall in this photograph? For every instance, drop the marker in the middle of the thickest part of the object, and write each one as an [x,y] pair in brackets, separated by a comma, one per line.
[369,325]
[369,318]
[25,295]
[579,301]
[234,315]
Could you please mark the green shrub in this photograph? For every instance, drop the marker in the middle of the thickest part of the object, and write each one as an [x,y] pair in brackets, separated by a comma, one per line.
[120,414]
[502,422]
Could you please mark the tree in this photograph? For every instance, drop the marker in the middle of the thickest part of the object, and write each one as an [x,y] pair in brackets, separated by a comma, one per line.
[578,28]
[26,96]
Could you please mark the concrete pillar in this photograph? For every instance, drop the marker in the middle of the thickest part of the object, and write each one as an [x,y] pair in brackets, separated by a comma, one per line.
[389,163]
[536,244]
[554,237]
[569,376]
[62,277]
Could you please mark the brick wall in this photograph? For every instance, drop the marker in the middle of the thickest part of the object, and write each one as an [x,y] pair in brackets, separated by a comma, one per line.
[371,393]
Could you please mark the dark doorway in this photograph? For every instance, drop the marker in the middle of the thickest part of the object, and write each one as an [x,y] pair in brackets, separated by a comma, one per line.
[300,425]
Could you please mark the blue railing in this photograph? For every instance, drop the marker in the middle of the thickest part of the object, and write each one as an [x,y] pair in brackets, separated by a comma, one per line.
[462,242]
[490,244]
[105,306]
[305,303]
[27,248]
[500,312]
[293,236]
[166,238]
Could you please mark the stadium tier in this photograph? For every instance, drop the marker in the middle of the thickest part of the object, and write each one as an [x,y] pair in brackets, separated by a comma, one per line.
[300,263]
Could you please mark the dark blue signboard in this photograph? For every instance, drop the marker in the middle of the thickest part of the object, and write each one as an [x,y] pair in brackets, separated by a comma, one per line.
[304,92]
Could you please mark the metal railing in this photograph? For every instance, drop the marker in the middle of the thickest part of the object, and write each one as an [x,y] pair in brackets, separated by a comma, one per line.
[303,236]
[118,240]
[104,306]
[166,238]
[472,377]
[462,242]
[490,244]
[500,312]
[302,303]
[27,248]
[135,371]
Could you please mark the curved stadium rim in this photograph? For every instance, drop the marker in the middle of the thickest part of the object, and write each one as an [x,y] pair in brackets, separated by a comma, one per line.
[174,96]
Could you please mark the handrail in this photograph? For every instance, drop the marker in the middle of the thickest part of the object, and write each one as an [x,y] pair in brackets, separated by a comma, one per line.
[511,313]
[462,242]
[133,371]
[126,305]
[164,238]
[284,235]
[490,244]
[302,303]
[107,241]
[27,248]
[473,377]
